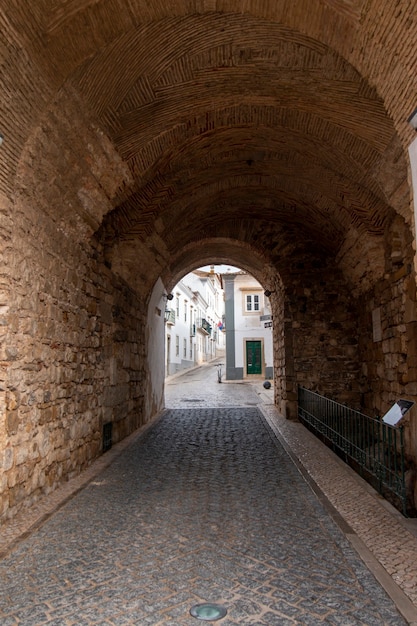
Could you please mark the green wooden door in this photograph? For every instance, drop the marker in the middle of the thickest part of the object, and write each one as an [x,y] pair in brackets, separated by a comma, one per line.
[253,357]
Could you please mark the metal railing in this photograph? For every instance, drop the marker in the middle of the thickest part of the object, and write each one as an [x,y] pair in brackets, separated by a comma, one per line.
[371,447]
[204,326]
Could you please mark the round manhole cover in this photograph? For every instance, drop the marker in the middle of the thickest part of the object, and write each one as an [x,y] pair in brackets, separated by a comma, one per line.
[208,612]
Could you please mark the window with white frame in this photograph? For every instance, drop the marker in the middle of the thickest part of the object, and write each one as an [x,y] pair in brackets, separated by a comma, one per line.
[185,349]
[177,345]
[252,302]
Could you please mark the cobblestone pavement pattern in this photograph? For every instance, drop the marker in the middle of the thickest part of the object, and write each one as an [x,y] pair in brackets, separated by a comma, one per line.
[205,506]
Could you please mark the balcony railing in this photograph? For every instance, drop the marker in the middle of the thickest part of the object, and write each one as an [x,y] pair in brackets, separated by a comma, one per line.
[204,326]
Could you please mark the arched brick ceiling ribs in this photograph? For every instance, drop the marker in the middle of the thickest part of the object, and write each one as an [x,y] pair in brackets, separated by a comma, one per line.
[248,121]
[197,65]
[233,109]
[221,252]
[289,179]
[253,224]
[248,187]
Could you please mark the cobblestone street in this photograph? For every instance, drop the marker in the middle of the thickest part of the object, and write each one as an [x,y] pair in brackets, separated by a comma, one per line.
[204,506]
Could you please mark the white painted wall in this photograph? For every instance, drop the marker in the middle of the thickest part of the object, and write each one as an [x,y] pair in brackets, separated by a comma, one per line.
[248,326]
[210,302]
[200,296]
[184,307]
[412,151]
[154,398]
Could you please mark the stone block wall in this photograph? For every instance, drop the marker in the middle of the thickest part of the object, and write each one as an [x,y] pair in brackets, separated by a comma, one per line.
[388,321]
[72,358]
[355,347]
[320,334]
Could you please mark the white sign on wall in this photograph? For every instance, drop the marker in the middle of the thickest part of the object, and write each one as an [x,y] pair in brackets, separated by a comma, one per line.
[397,412]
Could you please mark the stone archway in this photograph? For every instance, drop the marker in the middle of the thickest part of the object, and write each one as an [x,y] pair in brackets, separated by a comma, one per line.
[142,137]
[315,316]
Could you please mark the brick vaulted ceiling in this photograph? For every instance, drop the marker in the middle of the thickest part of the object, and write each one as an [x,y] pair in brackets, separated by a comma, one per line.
[263,122]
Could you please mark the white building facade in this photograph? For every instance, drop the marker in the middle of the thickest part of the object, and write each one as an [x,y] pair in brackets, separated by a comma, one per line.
[248,321]
[194,322]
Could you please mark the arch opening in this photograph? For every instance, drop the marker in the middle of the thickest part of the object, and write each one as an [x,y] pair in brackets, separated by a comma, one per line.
[314,335]
[258,138]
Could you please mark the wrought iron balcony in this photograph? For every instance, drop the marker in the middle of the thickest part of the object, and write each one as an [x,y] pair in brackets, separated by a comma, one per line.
[204,326]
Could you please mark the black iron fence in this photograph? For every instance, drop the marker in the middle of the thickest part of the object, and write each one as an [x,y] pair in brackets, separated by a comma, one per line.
[374,449]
